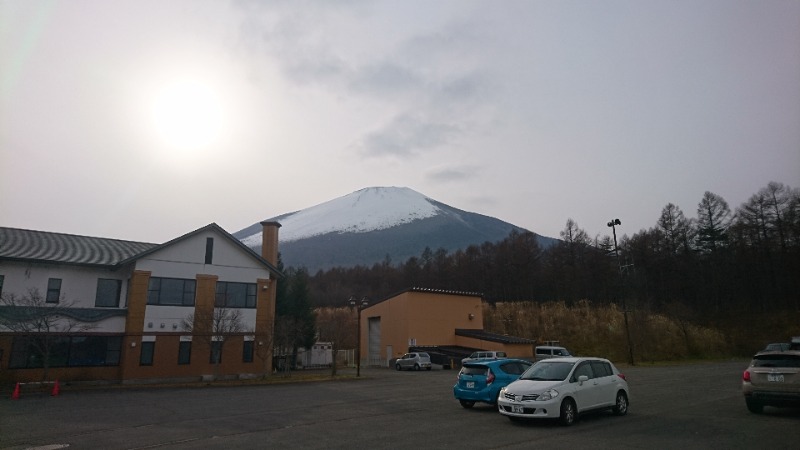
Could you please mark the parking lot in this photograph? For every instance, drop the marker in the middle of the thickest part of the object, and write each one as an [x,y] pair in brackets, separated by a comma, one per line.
[677,406]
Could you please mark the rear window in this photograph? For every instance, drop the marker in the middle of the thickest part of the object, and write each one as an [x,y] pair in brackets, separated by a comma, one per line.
[473,370]
[424,355]
[776,361]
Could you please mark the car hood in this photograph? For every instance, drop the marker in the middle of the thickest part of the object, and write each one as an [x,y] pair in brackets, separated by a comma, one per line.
[531,386]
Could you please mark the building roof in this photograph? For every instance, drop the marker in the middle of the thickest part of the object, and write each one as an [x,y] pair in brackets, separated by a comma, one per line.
[45,247]
[59,248]
[492,337]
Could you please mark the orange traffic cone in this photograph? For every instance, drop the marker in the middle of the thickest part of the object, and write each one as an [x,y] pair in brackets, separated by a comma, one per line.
[15,394]
[56,389]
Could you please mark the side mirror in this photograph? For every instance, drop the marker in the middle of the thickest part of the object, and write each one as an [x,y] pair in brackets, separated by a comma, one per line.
[582,379]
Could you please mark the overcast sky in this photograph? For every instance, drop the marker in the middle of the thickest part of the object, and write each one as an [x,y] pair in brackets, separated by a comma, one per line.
[144,120]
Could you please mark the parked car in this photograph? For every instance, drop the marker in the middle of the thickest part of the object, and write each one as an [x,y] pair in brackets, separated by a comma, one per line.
[481,381]
[563,388]
[550,351]
[413,361]
[772,379]
[483,355]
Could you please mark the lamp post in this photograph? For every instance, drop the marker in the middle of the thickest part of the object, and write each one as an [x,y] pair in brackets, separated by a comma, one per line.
[612,224]
[359,305]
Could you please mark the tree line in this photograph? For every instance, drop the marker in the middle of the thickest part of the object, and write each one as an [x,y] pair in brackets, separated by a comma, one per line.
[720,262]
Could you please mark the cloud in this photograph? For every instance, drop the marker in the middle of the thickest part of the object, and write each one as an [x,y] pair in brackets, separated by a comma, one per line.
[407,135]
[454,173]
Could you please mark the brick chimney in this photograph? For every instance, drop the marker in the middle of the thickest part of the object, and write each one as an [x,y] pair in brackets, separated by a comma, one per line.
[269,242]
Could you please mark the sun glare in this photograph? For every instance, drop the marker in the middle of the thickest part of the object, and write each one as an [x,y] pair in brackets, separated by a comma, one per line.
[187,116]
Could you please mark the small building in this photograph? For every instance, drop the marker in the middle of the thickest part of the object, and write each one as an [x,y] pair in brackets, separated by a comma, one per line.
[199,305]
[449,323]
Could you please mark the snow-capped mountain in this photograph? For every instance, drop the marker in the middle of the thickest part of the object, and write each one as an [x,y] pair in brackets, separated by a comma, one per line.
[374,223]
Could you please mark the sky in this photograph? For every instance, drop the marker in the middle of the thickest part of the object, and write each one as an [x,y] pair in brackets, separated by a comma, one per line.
[145,120]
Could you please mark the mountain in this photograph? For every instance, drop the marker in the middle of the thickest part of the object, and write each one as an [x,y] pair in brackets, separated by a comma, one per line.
[369,225]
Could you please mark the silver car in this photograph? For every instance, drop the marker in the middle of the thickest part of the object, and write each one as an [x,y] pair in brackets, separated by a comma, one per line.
[413,361]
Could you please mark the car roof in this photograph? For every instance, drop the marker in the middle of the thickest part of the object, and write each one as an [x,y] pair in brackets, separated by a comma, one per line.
[575,359]
[495,362]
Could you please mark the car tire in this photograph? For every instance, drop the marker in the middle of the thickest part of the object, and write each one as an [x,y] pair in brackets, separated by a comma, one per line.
[416,366]
[754,407]
[621,406]
[397,366]
[467,404]
[568,412]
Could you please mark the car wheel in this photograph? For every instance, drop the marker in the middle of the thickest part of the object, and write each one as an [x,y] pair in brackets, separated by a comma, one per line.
[754,406]
[416,366]
[621,407]
[397,366]
[568,412]
[467,403]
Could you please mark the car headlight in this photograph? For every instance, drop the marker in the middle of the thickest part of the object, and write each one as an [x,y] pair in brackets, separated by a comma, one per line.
[547,395]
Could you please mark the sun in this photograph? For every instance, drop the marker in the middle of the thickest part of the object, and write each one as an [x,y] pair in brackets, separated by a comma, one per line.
[187,115]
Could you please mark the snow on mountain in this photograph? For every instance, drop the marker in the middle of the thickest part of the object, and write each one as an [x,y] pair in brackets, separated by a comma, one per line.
[369,209]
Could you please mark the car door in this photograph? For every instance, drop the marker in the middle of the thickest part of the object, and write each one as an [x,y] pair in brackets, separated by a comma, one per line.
[585,393]
[404,360]
[605,383]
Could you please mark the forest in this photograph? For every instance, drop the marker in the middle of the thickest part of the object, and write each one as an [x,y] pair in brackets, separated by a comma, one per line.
[735,271]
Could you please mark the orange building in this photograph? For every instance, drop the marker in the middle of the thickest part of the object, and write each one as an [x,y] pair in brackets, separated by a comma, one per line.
[446,323]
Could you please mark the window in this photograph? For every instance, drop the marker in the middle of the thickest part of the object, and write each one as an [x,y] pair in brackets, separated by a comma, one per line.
[601,369]
[584,369]
[209,250]
[148,350]
[73,351]
[108,293]
[247,351]
[216,353]
[185,352]
[170,291]
[53,290]
[2,277]
[235,295]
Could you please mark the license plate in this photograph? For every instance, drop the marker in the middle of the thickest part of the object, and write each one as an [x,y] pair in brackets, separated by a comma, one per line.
[775,377]
[517,409]
[470,384]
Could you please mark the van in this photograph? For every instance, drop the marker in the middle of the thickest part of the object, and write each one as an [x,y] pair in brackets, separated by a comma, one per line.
[550,351]
[484,355]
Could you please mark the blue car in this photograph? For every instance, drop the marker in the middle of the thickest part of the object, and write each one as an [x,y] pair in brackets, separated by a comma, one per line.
[481,381]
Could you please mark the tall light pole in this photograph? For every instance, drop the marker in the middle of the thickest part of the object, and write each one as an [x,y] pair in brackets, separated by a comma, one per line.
[612,224]
[359,305]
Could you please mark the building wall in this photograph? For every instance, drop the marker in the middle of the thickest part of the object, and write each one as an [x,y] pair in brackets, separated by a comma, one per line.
[420,318]
[78,283]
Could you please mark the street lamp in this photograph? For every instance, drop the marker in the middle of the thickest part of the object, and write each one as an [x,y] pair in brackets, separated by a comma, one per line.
[612,224]
[359,305]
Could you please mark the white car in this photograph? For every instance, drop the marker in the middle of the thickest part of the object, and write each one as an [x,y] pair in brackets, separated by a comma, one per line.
[563,388]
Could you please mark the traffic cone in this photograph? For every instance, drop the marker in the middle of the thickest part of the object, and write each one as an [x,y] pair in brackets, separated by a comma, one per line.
[56,389]
[15,394]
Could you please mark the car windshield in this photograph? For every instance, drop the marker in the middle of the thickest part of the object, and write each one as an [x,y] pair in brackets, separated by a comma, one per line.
[776,361]
[548,371]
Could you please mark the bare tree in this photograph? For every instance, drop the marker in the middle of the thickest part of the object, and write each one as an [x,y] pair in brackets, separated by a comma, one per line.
[337,326]
[41,323]
[264,349]
[215,329]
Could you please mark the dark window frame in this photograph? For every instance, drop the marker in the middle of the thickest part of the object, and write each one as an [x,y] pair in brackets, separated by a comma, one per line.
[53,290]
[100,300]
[248,351]
[68,351]
[230,294]
[157,294]
[216,348]
[184,352]
[146,357]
